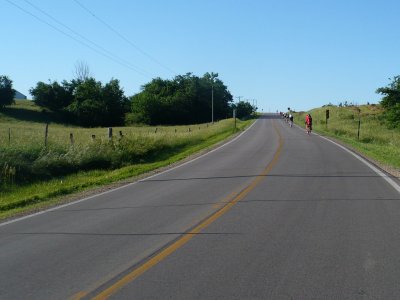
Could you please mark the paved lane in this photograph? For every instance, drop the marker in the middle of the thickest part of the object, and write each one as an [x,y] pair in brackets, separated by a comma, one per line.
[318,224]
[321,225]
[78,247]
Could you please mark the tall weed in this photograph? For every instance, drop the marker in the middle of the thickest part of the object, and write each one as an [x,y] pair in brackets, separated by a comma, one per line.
[28,160]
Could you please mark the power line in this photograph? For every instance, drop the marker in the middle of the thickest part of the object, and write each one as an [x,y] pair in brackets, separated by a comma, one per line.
[75,39]
[86,39]
[124,38]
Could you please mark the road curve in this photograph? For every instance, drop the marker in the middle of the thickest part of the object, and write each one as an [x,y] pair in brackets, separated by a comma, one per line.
[275,214]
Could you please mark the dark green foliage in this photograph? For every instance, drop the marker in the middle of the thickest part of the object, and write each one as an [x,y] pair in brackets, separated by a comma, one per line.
[95,105]
[115,102]
[244,110]
[87,102]
[53,95]
[392,116]
[391,92]
[186,99]
[391,102]
[87,105]
[7,93]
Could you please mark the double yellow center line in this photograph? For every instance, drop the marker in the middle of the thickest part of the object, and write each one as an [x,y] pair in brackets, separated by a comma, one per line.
[152,261]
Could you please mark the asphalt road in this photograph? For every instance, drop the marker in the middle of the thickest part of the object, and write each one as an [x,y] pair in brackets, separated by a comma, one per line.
[274,214]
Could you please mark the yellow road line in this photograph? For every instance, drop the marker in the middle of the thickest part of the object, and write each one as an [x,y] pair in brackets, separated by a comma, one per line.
[225,200]
[189,235]
[78,296]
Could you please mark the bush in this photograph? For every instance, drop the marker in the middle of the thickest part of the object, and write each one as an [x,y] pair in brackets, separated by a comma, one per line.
[135,119]
[392,116]
[7,93]
[391,102]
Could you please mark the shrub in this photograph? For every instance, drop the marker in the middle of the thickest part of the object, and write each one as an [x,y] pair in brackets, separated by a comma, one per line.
[7,93]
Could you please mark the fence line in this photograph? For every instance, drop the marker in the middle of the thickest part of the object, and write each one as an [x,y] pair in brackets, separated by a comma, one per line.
[28,135]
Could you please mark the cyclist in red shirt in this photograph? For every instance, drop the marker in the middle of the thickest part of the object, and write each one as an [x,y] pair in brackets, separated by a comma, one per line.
[308,123]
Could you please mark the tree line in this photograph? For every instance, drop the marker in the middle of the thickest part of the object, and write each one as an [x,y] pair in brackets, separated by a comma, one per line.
[185,99]
[86,102]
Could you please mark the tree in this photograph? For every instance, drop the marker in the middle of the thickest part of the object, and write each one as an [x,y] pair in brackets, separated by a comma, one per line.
[392,116]
[87,106]
[244,110]
[116,104]
[53,95]
[95,105]
[87,102]
[7,93]
[391,92]
[222,97]
[391,102]
[82,71]
[149,106]
[184,100]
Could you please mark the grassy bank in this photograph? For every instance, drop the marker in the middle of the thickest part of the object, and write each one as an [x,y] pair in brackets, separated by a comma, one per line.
[26,156]
[34,176]
[373,139]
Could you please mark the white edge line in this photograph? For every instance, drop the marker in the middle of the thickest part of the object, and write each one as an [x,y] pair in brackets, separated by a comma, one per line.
[389,180]
[124,186]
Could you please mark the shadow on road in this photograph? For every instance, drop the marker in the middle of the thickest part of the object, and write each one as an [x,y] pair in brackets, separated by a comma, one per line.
[120,234]
[270,116]
[370,175]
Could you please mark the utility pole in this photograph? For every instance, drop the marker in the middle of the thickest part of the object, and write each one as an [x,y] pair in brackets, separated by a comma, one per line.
[213,80]
[359,123]
[212,102]
[239,97]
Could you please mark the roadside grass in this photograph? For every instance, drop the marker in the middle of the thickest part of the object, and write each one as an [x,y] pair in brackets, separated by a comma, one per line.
[375,140]
[141,149]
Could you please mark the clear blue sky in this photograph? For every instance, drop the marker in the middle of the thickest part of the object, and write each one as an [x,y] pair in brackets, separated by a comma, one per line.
[298,54]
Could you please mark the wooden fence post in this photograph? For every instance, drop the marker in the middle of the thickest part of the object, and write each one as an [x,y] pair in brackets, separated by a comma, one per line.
[71,138]
[46,134]
[93,137]
[120,134]
[110,133]
[9,136]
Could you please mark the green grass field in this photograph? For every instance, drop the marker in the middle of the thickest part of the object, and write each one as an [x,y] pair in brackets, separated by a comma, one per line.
[374,140]
[23,125]
[33,176]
